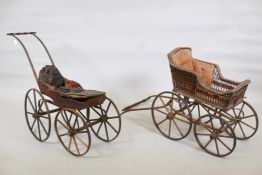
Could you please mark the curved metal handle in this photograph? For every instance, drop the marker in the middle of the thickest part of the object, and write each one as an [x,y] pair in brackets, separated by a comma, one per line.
[22,33]
[15,35]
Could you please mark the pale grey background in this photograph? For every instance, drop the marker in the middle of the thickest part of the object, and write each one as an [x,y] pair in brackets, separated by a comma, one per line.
[120,47]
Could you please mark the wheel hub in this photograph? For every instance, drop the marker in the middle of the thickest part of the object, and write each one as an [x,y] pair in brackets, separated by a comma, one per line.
[104,118]
[214,135]
[71,132]
[36,115]
[170,115]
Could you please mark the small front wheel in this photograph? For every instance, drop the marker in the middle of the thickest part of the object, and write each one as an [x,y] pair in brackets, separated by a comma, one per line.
[37,115]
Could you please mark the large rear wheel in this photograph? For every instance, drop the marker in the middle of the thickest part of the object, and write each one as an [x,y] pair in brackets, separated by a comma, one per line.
[37,115]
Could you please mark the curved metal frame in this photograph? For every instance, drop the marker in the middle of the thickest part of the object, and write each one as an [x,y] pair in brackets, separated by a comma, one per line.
[15,35]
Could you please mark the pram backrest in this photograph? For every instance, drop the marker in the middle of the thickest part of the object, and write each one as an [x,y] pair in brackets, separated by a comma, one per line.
[182,57]
[51,75]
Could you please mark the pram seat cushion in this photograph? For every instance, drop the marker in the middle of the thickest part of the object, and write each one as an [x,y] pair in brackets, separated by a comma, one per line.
[64,87]
[183,57]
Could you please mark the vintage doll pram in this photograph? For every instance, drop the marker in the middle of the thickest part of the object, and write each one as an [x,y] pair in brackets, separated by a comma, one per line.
[221,113]
[77,110]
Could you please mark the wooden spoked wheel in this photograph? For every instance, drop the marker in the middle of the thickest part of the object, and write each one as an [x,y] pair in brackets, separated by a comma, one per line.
[214,136]
[246,123]
[72,131]
[171,115]
[105,120]
[37,115]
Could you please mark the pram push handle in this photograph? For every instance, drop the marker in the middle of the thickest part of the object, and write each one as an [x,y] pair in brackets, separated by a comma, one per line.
[15,35]
[22,33]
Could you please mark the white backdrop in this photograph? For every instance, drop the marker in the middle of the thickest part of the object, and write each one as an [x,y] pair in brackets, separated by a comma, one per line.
[120,47]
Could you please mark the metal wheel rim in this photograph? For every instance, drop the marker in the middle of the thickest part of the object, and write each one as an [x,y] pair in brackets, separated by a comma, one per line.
[36,106]
[241,127]
[107,125]
[184,120]
[75,140]
[219,143]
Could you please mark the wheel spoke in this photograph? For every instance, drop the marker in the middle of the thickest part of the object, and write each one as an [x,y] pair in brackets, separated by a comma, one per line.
[234,127]
[217,147]
[94,120]
[63,124]
[31,103]
[102,112]
[163,104]
[169,131]
[247,116]
[229,136]
[162,121]
[108,107]
[96,112]
[69,144]
[66,117]
[161,112]
[44,117]
[76,120]
[234,112]
[203,134]
[192,108]
[81,114]
[224,144]
[43,127]
[208,142]
[241,109]
[33,124]
[113,117]
[177,127]
[212,125]
[61,135]
[247,125]
[204,126]
[242,130]
[98,130]
[38,126]
[184,115]
[77,149]
[111,126]
[78,138]
[198,108]
[66,121]
[35,100]
[182,120]
[70,117]
[41,104]
[106,131]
